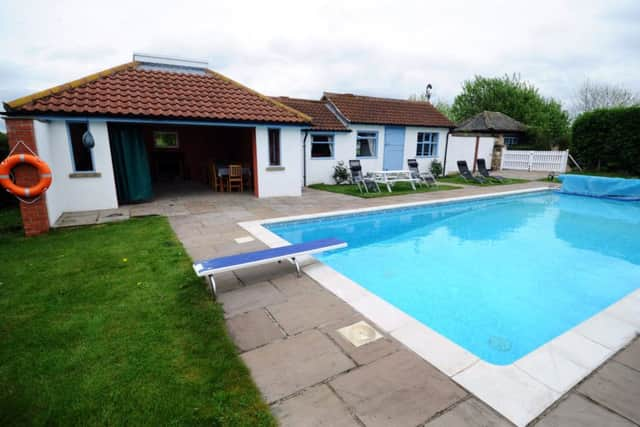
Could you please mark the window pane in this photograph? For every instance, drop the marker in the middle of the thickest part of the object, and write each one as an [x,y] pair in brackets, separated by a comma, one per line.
[321,149]
[81,155]
[274,147]
[322,138]
[165,139]
[363,149]
[366,144]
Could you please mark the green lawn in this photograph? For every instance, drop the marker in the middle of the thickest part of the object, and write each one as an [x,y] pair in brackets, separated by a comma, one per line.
[457,179]
[399,189]
[108,325]
[10,220]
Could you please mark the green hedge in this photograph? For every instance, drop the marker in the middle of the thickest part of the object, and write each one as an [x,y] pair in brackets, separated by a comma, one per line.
[608,140]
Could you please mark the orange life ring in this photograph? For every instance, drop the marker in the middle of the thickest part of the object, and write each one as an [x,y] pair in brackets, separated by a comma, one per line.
[11,162]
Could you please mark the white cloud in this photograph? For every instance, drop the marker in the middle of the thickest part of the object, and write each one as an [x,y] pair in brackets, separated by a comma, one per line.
[389,48]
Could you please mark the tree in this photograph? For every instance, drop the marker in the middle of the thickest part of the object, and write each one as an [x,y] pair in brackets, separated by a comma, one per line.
[548,123]
[593,96]
[445,108]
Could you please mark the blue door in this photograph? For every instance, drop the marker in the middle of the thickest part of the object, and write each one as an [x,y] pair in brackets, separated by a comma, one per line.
[393,148]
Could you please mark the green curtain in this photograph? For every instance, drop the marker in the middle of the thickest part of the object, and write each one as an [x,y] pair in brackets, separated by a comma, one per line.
[130,164]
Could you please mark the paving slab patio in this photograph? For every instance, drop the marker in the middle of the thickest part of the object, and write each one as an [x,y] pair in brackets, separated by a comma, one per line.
[617,387]
[316,407]
[576,411]
[469,413]
[310,310]
[253,329]
[288,366]
[249,298]
[399,389]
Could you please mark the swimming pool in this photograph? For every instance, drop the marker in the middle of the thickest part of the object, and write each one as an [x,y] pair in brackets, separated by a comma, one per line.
[498,276]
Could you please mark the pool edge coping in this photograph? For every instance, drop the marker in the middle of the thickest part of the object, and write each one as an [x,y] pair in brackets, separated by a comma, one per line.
[520,391]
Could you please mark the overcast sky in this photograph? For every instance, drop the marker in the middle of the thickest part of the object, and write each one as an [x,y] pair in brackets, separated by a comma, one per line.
[300,48]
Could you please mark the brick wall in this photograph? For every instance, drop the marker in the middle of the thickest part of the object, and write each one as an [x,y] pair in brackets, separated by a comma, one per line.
[35,219]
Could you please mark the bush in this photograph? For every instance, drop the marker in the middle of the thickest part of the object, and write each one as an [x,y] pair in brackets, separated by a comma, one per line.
[340,173]
[608,140]
[436,168]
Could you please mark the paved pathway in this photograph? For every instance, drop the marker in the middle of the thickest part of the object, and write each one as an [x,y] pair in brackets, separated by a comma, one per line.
[285,329]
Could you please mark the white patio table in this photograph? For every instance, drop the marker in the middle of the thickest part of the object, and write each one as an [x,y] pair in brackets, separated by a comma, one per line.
[389,178]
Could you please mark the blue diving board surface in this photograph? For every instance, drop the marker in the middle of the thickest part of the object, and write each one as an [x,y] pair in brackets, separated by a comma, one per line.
[233,262]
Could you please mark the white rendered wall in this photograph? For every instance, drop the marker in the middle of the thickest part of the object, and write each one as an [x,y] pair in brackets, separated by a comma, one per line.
[69,194]
[463,148]
[286,180]
[320,170]
[411,145]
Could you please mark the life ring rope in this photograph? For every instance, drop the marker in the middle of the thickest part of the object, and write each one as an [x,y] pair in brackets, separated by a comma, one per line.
[14,160]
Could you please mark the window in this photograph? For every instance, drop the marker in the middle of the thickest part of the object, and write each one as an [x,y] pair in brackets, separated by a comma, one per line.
[510,140]
[274,147]
[82,157]
[366,144]
[164,140]
[321,146]
[427,144]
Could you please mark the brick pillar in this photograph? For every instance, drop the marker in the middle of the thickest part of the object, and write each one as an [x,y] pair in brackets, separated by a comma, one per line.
[35,219]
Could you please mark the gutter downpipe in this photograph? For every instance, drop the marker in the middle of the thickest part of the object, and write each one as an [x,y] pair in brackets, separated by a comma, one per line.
[446,149]
[304,158]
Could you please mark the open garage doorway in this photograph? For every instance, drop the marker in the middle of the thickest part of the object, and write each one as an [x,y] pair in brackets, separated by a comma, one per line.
[152,160]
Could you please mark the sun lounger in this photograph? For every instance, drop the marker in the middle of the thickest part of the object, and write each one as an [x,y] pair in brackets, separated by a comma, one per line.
[251,259]
[426,178]
[482,168]
[360,180]
[466,174]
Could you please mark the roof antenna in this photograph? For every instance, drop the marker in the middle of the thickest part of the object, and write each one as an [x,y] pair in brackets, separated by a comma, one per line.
[428,92]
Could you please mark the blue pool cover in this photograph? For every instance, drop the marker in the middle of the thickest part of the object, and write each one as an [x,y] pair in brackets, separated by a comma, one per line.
[597,186]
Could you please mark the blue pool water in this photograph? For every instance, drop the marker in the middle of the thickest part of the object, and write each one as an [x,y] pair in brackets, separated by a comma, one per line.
[499,277]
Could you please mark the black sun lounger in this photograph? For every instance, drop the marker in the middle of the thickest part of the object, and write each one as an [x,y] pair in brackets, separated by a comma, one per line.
[482,168]
[466,174]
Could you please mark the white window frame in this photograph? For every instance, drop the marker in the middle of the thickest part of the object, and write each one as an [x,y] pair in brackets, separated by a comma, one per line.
[71,152]
[371,135]
[429,146]
[331,142]
[275,157]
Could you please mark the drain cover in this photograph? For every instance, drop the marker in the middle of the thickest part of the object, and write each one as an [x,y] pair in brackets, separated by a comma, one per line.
[360,333]
[499,343]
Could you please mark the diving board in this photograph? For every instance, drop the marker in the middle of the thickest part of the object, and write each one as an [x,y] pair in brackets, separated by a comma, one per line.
[251,259]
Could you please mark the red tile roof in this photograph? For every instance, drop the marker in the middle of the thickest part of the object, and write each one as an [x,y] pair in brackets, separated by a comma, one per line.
[387,111]
[322,117]
[131,90]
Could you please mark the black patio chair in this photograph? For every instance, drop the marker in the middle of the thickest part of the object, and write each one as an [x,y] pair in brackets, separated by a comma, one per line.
[466,174]
[426,178]
[482,168]
[359,179]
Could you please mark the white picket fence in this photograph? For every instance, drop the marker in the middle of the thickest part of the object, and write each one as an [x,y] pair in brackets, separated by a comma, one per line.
[548,161]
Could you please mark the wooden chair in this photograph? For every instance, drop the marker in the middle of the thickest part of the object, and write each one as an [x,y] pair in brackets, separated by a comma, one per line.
[234,179]
[216,182]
